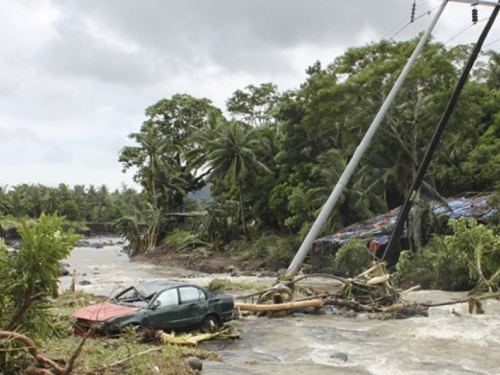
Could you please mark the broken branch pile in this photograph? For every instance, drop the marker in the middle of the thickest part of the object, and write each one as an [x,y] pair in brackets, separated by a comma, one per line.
[371,291]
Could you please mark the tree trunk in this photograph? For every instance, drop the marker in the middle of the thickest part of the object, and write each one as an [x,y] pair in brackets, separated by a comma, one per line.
[280,306]
[242,213]
[417,225]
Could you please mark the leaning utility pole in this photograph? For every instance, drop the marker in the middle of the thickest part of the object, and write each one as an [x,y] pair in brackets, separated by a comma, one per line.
[390,253]
[346,175]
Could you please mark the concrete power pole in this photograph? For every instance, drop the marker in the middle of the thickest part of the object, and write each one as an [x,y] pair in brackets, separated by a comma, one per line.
[346,175]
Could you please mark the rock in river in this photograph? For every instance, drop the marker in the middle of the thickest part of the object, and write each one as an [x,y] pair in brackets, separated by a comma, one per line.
[339,356]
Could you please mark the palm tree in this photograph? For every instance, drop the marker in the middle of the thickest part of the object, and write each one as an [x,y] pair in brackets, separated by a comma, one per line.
[4,199]
[232,157]
[204,139]
[490,71]
[151,147]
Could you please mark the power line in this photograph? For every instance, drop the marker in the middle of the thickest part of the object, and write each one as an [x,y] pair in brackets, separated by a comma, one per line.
[425,13]
[489,44]
[411,18]
[464,30]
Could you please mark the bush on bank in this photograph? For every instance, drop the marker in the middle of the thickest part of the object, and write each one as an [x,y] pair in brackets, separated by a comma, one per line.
[353,258]
[466,259]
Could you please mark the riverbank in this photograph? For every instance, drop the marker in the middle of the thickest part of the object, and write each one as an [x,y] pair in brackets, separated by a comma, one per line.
[201,261]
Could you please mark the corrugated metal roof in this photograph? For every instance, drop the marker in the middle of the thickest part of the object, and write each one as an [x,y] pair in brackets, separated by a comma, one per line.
[378,229]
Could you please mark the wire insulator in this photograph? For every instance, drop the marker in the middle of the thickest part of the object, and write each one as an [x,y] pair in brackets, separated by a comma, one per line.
[474,16]
[413,10]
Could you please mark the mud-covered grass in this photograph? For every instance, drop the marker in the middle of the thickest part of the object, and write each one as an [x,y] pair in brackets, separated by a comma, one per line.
[118,355]
[123,356]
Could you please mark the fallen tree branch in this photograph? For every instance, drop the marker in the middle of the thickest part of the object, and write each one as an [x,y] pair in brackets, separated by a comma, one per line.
[245,296]
[77,352]
[32,349]
[353,305]
[280,306]
[316,296]
[287,282]
[325,275]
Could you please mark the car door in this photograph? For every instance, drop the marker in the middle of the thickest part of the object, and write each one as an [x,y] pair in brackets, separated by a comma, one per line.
[193,306]
[164,310]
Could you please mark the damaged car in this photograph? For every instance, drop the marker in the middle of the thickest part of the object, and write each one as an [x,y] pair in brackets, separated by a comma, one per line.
[158,305]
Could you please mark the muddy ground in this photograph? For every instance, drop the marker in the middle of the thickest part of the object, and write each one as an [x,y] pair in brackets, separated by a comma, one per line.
[202,261]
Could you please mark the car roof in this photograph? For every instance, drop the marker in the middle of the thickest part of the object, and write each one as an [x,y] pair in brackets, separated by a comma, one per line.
[150,287]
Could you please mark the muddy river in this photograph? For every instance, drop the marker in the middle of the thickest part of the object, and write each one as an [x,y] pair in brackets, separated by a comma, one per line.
[449,341]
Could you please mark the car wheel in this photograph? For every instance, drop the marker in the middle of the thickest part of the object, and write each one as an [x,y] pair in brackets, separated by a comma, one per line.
[211,323]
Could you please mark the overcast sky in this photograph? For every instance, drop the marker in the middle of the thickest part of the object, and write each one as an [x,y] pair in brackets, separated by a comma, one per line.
[76,75]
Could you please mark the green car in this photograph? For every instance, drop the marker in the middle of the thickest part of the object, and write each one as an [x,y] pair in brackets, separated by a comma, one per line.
[158,305]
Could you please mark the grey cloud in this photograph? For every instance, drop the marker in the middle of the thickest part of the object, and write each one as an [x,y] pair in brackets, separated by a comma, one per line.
[77,52]
[237,36]
[56,154]
[15,136]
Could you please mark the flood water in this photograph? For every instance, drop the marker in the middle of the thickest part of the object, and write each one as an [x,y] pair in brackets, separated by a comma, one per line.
[449,341]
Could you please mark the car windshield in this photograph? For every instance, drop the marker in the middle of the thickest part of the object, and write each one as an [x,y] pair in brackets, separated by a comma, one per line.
[141,294]
[149,288]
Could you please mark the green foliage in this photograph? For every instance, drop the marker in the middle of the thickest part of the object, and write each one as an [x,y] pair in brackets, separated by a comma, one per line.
[467,258]
[222,285]
[177,237]
[255,105]
[10,222]
[220,225]
[353,258]
[79,203]
[29,277]
[162,154]
[278,251]
[141,237]
[483,163]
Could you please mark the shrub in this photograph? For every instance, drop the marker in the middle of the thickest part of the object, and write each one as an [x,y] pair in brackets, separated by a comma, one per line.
[353,258]
[468,257]
[29,277]
[278,251]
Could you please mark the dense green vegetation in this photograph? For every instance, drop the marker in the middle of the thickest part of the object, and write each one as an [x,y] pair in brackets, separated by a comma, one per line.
[79,203]
[272,158]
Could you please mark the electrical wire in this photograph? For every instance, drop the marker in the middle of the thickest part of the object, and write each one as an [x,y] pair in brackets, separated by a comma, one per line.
[493,42]
[425,13]
[391,30]
[399,23]
[464,30]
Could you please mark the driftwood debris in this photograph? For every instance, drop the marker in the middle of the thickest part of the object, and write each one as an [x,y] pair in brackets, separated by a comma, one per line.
[188,339]
[369,292]
[280,306]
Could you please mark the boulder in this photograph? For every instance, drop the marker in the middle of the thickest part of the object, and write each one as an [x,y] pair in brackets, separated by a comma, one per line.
[195,363]
[339,356]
